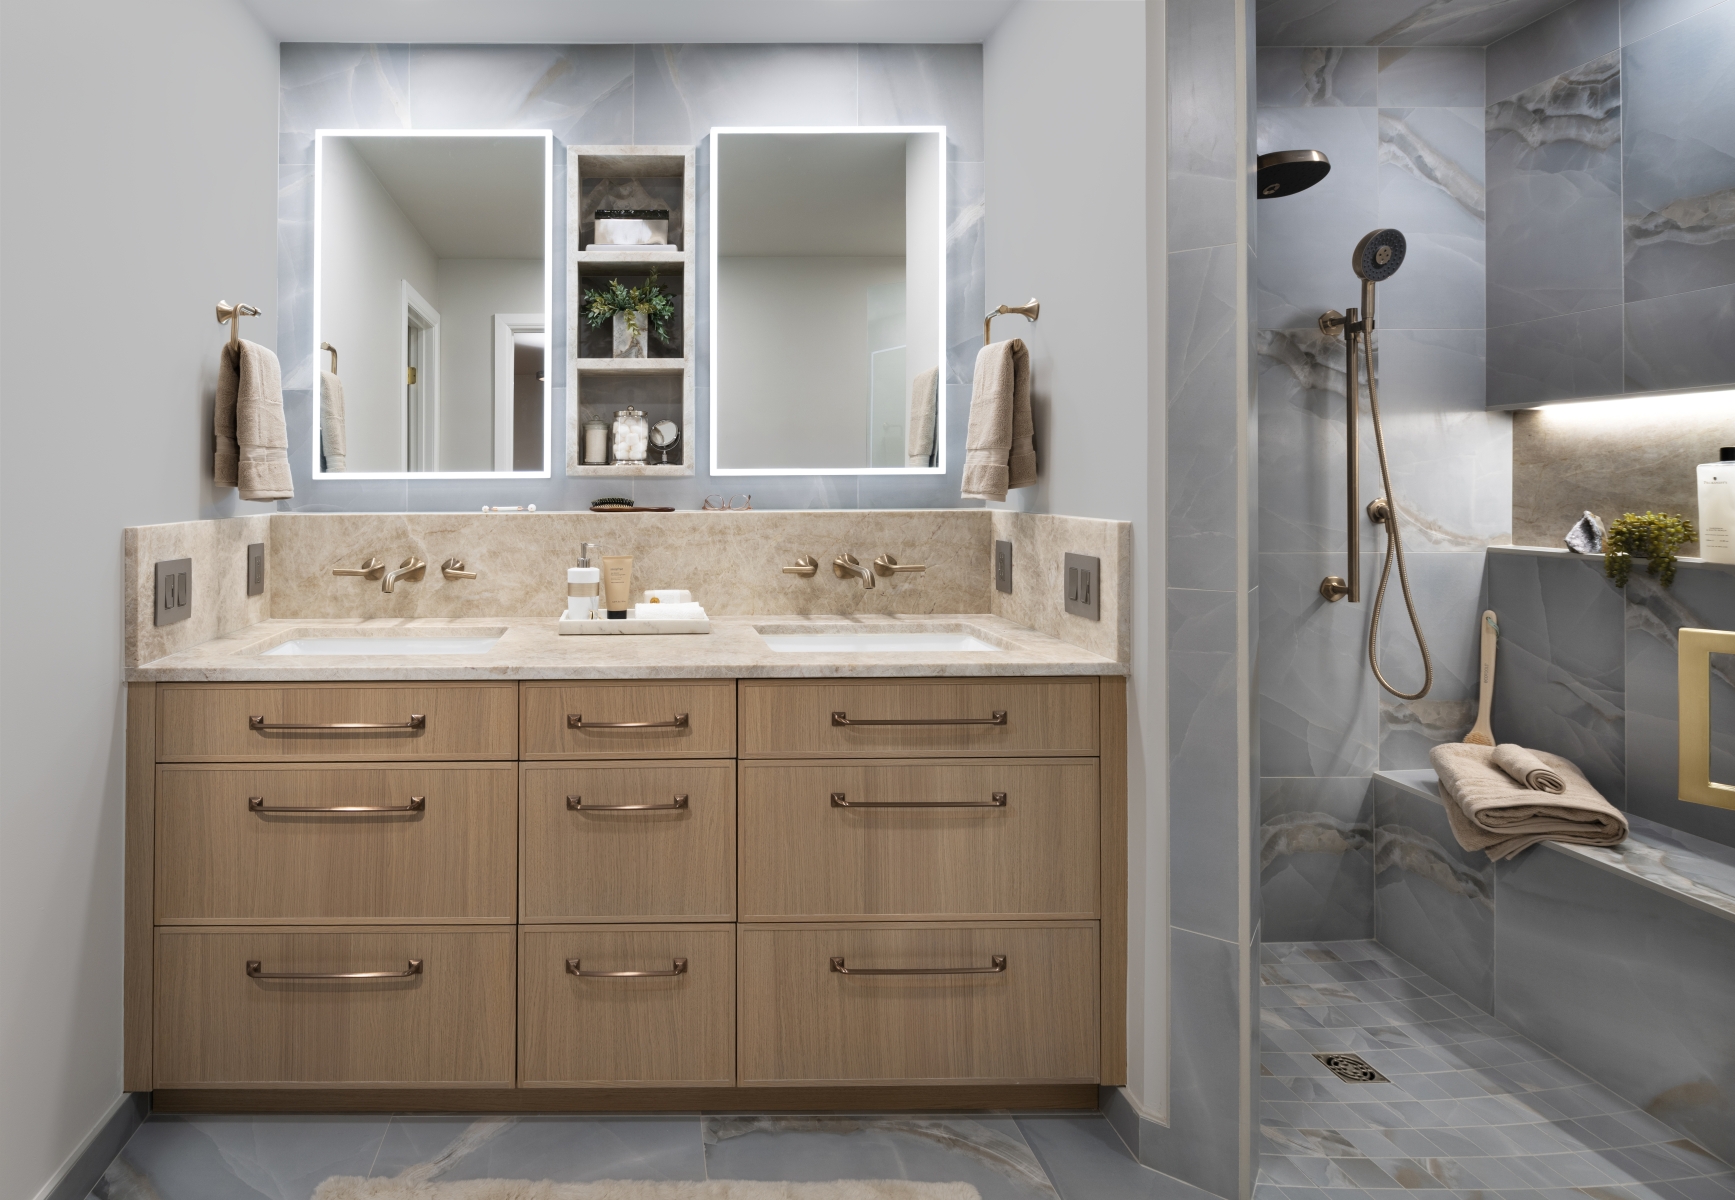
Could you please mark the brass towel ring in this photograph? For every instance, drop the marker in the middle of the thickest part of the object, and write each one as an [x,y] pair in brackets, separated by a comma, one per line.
[1027,311]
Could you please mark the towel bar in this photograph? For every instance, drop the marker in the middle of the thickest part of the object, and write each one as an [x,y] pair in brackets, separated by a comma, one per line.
[1028,311]
[230,315]
[333,349]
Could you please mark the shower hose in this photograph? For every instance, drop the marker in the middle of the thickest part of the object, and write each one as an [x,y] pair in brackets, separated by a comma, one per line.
[1394,549]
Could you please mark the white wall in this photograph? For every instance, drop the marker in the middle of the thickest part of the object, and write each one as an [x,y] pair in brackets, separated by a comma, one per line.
[133,199]
[1064,97]
[472,290]
[368,249]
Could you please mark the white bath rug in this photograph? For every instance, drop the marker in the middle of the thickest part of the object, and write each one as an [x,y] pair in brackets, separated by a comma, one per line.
[352,1187]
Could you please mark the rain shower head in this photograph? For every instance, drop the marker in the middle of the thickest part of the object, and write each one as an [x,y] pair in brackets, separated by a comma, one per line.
[1285,172]
[1378,256]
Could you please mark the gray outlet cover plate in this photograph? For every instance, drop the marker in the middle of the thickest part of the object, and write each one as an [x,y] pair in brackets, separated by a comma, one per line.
[1083,573]
[256,569]
[1003,567]
[174,590]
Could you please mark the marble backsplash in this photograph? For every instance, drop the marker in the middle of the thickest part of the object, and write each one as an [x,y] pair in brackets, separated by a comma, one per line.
[732,563]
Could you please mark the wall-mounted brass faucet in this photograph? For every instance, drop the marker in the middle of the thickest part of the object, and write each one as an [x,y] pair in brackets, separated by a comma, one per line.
[412,569]
[844,566]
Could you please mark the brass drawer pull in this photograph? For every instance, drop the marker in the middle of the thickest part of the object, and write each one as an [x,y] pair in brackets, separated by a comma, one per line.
[577,804]
[998,801]
[576,721]
[260,725]
[417,804]
[572,968]
[999,718]
[254,972]
[998,968]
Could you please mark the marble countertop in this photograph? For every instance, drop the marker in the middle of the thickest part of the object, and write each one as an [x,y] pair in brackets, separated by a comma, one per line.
[533,648]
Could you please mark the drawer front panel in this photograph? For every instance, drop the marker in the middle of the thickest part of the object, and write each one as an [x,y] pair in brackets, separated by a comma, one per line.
[214,722]
[242,844]
[803,1022]
[683,719]
[605,862]
[806,856]
[450,1024]
[944,717]
[625,1031]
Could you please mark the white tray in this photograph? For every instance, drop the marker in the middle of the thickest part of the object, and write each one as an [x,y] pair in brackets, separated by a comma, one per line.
[606,627]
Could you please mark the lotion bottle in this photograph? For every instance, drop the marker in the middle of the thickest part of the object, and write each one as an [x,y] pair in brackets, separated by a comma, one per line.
[584,586]
[1717,508]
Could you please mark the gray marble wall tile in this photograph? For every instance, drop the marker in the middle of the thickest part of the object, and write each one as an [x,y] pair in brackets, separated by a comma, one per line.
[1317,76]
[1449,592]
[1392,22]
[1554,183]
[1642,18]
[680,92]
[1204,166]
[1316,859]
[294,314]
[925,85]
[1204,761]
[1682,340]
[1202,432]
[1679,184]
[1630,986]
[1560,673]
[339,86]
[1301,440]
[1317,703]
[1435,899]
[1306,239]
[1702,597]
[1556,358]
[1431,77]
[583,93]
[1565,38]
[1431,186]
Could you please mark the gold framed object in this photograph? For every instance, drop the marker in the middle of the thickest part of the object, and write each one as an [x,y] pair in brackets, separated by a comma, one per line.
[1695,648]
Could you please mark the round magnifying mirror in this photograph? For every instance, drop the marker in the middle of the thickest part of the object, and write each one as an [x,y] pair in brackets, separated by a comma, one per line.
[664,435]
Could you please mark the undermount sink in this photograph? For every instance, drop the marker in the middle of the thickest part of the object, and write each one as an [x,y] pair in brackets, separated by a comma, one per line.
[889,642]
[360,644]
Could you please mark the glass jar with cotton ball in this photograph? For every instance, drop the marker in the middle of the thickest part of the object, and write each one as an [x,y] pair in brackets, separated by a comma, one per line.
[631,437]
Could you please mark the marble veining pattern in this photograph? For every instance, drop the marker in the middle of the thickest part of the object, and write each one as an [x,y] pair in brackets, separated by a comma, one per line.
[1694,869]
[1393,22]
[1040,543]
[220,602]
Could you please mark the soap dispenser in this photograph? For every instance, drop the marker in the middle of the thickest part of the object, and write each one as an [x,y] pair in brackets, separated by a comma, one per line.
[1717,508]
[584,586]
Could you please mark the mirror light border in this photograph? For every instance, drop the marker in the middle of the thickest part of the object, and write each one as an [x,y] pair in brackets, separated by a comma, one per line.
[547,136]
[1694,648]
[711,260]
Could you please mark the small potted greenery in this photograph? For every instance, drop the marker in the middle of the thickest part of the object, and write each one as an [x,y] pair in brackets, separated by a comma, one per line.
[635,312]
[1652,537]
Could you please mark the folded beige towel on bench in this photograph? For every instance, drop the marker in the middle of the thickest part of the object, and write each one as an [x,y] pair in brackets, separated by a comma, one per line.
[1527,769]
[1490,810]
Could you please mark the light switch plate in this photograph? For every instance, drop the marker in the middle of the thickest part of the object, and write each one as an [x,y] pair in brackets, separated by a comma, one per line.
[174,601]
[1083,573]
[256,569]
[1003,567]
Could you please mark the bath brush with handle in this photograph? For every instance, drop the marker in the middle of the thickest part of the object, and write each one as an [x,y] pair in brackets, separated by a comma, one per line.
[1482,733]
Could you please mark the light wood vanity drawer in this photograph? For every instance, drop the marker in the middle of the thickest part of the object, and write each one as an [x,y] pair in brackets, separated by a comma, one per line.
[1028,847]
[659,1029]
[681,719]
[200,722]
[937,717]
[803,1022]
[450,1024]
[249,844]
[647,841]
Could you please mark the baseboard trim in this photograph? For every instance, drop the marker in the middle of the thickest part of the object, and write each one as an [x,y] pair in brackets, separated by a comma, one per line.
[898,1098]
[85,1165]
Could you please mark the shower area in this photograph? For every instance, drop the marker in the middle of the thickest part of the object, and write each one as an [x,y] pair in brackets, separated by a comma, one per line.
[1560,1022]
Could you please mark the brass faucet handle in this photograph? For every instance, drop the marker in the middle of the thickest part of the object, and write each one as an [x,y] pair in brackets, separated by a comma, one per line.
[888,566]
[373,568]
[453,568]
[806,565]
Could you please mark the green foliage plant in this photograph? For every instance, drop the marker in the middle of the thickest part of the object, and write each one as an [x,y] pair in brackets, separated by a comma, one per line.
[1653,536]
[648,302]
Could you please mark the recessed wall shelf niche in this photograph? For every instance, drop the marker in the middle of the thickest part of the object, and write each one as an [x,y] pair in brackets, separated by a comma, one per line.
[597,384]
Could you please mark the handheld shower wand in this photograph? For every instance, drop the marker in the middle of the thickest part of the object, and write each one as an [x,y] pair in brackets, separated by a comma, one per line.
[1377,258]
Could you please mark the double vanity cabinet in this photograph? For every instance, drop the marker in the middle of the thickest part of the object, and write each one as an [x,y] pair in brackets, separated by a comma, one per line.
[567,894]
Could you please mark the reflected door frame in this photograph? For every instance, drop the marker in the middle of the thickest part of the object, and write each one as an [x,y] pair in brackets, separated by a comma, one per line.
[505,378]
[420,411]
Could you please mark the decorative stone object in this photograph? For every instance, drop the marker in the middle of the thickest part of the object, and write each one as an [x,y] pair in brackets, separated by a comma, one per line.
[1585,536]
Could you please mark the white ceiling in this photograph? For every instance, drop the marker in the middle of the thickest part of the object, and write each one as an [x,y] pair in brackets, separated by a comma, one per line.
[470,197]
[605,21]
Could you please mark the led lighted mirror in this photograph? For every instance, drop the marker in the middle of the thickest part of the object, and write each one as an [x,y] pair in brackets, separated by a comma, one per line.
[828,301]
[431,292]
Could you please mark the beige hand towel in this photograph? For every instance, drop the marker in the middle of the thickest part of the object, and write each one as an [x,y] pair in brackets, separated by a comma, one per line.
[919,427]
[252,442]
[1000,451]
[333,437]
[1489,810]
[1527,769]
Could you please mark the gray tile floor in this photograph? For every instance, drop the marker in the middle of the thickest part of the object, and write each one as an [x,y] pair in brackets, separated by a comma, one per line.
[1055,1157]
[1472,1107]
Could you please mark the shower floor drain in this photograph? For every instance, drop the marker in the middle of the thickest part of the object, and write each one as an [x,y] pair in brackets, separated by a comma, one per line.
[1351,1068]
